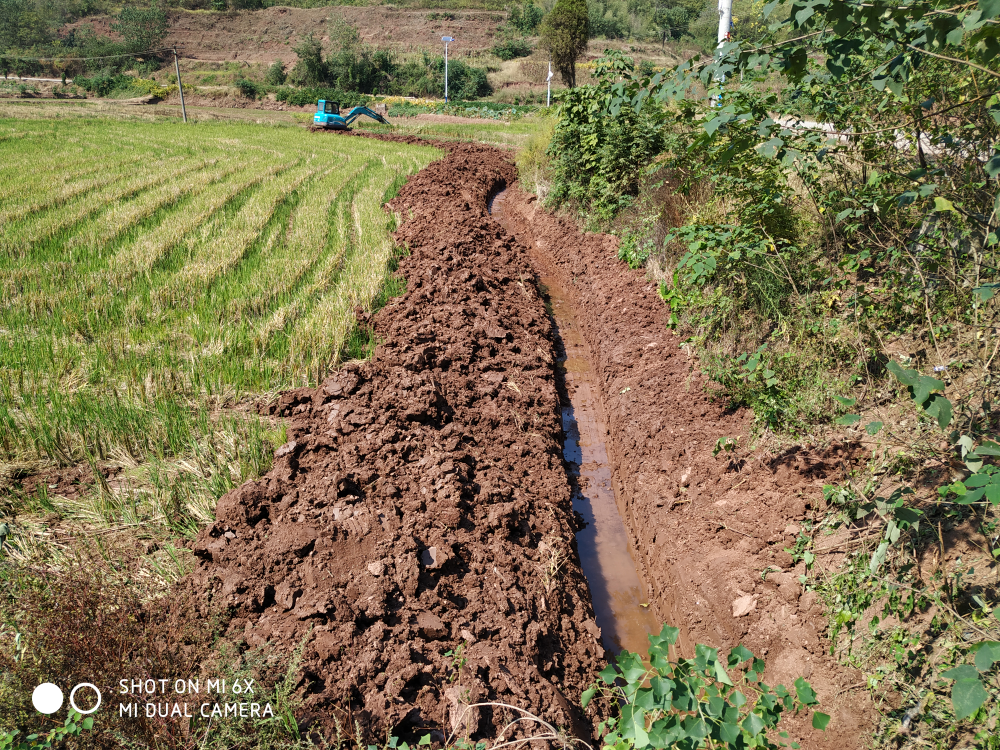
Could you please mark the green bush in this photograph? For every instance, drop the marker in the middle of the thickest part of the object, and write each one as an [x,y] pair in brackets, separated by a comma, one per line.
[695,703]
[276,75]
[509,49]
[250,89]
[305,97]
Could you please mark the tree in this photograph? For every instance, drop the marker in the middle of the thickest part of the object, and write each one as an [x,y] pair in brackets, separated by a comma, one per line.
[564,33]
[141,29]
[310,70]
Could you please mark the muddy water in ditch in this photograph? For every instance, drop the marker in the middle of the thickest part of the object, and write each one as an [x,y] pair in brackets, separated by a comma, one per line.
[605,552]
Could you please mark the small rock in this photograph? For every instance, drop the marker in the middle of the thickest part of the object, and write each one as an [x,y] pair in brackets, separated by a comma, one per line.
[376,568]
[467,636]
[433,557]
[229,535]
[792,529]
[686,477]
[431,626]
[744,605]
[285,449]
[591,627]
[342,514]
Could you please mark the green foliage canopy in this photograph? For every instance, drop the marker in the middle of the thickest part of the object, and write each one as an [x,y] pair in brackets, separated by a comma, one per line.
[564,33]
[141,29]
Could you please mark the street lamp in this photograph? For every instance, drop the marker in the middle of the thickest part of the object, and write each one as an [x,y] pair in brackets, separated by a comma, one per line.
[548,82]
[446,39]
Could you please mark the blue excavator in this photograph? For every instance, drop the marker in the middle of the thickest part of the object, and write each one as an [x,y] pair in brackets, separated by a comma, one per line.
[328,116]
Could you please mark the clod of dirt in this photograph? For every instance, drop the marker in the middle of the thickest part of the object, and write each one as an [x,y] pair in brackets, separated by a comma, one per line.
[404,515]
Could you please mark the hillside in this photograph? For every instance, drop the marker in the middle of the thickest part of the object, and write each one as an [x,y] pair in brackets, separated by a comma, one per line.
[268,35]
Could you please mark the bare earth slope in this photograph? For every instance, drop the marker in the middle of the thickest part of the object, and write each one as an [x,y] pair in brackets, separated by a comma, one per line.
[269,34]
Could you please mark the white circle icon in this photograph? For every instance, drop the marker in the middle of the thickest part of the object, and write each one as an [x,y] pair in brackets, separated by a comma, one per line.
[47,698]
[72,695]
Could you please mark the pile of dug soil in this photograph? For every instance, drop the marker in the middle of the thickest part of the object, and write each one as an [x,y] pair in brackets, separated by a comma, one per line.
[421,505]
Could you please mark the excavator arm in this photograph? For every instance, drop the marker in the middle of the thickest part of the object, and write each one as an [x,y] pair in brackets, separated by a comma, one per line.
[355,113]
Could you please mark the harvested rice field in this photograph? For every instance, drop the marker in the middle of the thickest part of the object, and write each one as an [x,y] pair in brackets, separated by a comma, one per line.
[157,281]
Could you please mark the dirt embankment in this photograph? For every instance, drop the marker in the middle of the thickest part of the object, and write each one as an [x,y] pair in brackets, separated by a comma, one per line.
[269,34]
[710,531]
[421,506]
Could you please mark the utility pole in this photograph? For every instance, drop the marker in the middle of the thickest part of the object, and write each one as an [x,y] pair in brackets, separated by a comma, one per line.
[446,40]
[180,86]
[548,83]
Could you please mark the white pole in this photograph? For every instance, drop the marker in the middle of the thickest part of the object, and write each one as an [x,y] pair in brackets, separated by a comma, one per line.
[725,20]
[725,24]
[548,83]
[446,40]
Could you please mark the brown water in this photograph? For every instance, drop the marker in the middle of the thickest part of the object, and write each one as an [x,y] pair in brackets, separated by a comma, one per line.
[605,552]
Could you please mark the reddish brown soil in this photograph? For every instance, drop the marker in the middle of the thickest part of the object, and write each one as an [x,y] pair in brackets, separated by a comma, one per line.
[421,499]
[705,527]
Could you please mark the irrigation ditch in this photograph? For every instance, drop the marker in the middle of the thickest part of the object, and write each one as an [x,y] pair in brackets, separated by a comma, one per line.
[520,480]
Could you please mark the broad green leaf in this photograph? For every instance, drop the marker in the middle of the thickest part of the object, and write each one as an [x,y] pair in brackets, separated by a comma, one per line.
[940,409]
[993,494]
[846,402]
[805,692]
[729,733]
[878,557]
[588,695]
[820,721]
[739,655]
[943,204]
[967,695]
[987,654]
[906,377]
[961,672]
[721,676]
[425,740]
[667,637]
[753,724]
[993,166]
[977,480]
[872,428]
[989,8]
[633,724]
[609,674]
[988,448]
[848,419]
[923,388]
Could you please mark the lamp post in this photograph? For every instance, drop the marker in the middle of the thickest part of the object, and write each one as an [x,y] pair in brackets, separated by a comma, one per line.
[446,39]
[548,83]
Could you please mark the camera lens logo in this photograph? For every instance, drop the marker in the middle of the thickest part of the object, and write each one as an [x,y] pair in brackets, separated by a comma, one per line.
[48,698]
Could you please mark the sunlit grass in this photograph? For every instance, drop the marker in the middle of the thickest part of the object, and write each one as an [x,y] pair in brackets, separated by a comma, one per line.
[155,287]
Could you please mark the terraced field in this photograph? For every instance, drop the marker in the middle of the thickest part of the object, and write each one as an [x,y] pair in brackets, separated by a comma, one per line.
[154,276]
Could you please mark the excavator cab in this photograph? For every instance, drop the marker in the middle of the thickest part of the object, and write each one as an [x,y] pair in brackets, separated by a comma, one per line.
[328,116]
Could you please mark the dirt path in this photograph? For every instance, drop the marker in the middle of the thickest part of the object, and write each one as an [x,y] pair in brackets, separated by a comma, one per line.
[705,527]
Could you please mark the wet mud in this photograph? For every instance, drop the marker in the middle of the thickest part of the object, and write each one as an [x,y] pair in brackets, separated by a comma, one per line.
[709,532]
[620,604]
